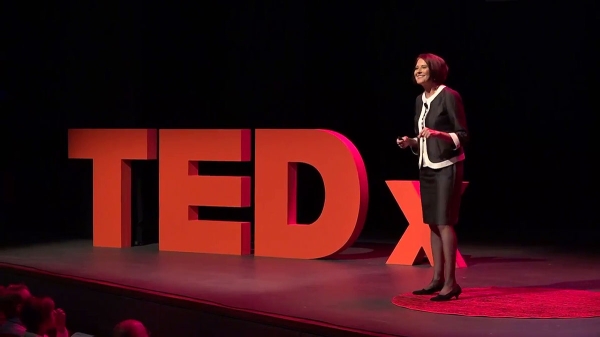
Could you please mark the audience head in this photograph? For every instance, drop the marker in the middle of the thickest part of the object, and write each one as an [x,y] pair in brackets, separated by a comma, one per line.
[130,328]
[37,314]
[13,298]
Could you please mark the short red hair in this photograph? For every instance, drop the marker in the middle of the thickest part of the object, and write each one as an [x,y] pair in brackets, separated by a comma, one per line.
[438,69]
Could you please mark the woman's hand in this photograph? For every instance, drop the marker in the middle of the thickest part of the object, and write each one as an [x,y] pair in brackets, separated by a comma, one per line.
[405,142]
[427,132]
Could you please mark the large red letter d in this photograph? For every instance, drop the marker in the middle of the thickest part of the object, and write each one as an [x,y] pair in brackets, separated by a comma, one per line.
[346,193]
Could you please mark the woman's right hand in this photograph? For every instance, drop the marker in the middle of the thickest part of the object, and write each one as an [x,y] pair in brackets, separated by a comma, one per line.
[405,142]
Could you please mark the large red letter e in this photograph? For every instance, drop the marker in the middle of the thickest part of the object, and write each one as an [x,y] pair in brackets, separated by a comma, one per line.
[182,190]
[346,193]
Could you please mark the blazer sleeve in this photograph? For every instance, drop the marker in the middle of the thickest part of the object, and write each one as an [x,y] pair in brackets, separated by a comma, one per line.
[456,112]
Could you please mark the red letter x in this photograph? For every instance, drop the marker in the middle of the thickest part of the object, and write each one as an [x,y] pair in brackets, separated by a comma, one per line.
[417,237]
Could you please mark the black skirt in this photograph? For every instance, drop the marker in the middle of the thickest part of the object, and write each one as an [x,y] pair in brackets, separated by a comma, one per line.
[441,194]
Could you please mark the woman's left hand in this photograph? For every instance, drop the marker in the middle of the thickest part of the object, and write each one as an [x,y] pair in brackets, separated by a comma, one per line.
[427,132]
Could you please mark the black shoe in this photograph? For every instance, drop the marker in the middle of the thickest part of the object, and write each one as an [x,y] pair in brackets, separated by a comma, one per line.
[430,291]
[447,297]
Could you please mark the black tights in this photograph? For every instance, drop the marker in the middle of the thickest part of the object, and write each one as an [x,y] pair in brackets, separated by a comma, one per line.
[443,246]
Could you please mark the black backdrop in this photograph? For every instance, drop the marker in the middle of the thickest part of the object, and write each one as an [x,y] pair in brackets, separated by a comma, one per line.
[523,73]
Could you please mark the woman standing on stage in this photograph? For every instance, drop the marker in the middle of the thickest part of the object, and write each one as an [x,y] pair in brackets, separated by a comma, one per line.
[442,133]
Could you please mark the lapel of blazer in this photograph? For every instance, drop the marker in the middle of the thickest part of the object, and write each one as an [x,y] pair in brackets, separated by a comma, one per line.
[418,108]
[436,107]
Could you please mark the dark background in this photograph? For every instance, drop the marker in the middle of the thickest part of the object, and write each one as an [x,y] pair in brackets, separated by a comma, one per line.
[523,72]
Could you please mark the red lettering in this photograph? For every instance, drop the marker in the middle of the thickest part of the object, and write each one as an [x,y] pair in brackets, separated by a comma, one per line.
[346,193]
[111,151]
[417,237]
[181,190]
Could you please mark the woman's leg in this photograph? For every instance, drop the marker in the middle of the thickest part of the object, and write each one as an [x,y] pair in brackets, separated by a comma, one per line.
[429,185]
[449,246]
[437,282]
[438,256]
[449,242]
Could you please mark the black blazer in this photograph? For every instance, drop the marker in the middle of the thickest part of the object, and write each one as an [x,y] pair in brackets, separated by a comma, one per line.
[446,114]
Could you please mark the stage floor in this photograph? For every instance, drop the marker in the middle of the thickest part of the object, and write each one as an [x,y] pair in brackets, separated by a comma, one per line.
[353,291]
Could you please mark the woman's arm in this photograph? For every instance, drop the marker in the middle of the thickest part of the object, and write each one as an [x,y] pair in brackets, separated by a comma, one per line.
[456,113]
[416,145]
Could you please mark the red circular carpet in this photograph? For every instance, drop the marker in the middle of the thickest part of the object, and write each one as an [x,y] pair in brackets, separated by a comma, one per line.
[510,303]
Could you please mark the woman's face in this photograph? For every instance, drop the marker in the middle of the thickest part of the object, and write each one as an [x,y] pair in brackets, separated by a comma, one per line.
[421,72]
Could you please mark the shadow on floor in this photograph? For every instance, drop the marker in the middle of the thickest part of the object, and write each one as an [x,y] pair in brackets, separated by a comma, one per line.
[471,261]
